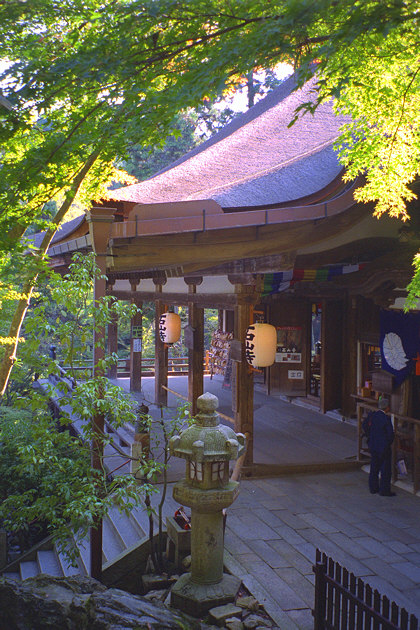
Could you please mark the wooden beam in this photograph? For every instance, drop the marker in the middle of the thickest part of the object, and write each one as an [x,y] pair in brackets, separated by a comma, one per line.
[100,220]
[243,382]
[136,347]
[262,264]
[204,300]
[195,346]
[161,352]
[222,246]
[112,344]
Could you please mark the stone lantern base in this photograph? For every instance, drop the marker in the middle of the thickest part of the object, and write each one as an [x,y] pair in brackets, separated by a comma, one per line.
[197,599]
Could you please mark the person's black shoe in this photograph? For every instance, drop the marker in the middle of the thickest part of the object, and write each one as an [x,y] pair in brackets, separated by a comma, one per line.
[373,491]
[388,494]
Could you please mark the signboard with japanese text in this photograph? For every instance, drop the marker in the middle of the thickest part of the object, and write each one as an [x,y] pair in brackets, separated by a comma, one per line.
[136,345]
[295,375]
[136,331]
[289,344]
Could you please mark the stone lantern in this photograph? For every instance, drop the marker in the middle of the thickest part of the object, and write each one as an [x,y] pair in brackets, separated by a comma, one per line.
[207,446]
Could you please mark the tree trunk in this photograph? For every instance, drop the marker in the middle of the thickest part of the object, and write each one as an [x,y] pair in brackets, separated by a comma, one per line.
[250,85]
[10,349]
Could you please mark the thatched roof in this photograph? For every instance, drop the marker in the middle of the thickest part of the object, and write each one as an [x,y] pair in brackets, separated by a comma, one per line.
[256,159]
[63,231]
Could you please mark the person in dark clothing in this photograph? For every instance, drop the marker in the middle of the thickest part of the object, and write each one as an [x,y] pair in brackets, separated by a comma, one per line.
[380,435]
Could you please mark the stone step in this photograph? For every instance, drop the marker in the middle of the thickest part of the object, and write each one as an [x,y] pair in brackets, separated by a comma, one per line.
[67,568]
[112,543]
[120,532]
[48,563]
[83,545]
[141,519]
[128,528]
[29,568]
[12,575]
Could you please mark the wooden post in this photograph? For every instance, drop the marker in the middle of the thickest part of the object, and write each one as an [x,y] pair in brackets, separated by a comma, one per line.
[3,548]
[416,458]
[136,348]
[161,350]
[112,344]
[194,340]
[243,380]
[320,570]
[100,220]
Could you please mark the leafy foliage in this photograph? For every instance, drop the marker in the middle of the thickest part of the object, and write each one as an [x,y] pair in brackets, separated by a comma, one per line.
[53,481]
[76,83]
[86,80]
[46,478]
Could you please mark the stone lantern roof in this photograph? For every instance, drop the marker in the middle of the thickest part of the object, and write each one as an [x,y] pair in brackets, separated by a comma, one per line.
[207,440]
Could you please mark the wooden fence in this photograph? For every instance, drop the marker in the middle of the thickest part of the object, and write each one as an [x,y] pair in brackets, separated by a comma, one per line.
[344,602]
[406,445]
[176,366]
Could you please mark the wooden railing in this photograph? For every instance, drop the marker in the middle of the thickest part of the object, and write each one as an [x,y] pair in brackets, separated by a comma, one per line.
[176,365]
[344,602]
[406,445]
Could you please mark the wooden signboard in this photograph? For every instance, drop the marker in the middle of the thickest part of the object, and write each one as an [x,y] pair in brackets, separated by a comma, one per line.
[136,345]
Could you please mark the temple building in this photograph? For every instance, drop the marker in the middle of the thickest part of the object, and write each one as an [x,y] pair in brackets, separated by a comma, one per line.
[258,223]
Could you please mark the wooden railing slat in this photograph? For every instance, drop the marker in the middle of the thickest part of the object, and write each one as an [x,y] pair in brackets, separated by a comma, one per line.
[414,623]
[338,595]
[369,602]
[377,608]
[360,611]
[394,613]
[344,602]
[330,592]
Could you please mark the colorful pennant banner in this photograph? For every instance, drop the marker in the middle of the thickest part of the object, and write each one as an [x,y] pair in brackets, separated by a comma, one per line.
[277,282]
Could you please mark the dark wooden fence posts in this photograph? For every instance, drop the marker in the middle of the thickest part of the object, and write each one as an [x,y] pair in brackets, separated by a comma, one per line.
[344,602]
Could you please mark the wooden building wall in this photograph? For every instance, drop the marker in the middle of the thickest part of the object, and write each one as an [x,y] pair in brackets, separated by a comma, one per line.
[291,312]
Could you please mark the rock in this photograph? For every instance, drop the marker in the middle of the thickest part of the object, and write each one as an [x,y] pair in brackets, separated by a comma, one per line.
[250,603]
[48,603]
[219,614]
[234,624]
[154,582]
[158,595]
[186,563]
[256,621]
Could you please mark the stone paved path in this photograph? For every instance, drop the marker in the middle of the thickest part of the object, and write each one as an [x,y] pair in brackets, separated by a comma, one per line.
[275,526]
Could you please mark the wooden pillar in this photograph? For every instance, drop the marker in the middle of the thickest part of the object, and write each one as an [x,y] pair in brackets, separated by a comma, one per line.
[194,340]
[350,355]
[112,344]
[161,350]
[243,381]
[331,355]
[100,220]
[136,345]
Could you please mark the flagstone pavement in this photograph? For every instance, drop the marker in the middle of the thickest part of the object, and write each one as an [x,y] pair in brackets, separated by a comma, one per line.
[276,524]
